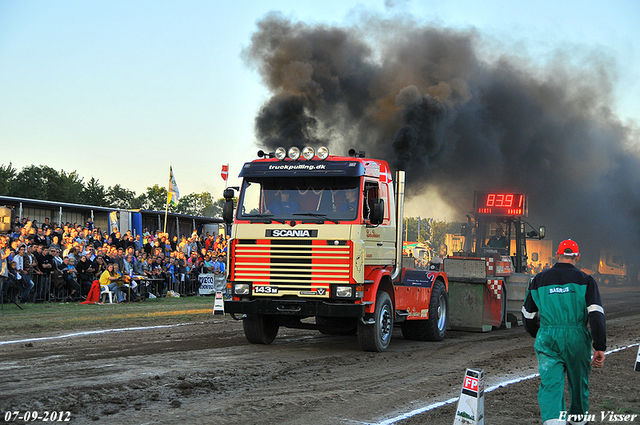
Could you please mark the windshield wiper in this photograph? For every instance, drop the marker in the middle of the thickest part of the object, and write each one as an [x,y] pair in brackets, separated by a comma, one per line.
[310,214]
[259,216]
[262,218]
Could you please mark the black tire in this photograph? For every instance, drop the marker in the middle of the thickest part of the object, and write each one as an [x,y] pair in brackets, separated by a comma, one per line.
[377,336]
[608,280]
[336,326]
[435,327]
[260,329]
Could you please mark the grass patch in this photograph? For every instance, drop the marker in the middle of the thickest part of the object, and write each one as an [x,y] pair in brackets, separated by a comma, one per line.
[37,318]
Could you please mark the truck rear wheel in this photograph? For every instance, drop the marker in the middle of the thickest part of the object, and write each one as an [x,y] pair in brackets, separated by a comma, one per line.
[435,327]
[260,329]
[377,336]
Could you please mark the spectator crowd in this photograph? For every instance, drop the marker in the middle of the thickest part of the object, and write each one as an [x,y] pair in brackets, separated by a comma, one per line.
[49,262]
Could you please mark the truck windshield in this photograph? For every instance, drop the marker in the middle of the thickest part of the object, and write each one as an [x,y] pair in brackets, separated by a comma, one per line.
[302,198]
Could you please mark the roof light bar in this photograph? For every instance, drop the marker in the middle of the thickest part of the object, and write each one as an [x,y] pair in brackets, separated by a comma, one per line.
[308,153]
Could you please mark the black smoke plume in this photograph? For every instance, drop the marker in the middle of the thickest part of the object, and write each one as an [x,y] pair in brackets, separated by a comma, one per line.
[431,102]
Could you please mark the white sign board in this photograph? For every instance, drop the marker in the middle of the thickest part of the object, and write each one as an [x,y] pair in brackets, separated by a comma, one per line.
[210,283]
[218,306]
[470,409]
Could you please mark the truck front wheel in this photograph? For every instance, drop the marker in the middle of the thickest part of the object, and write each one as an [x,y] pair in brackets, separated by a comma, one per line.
[260,329]
[377,336]
[435,327]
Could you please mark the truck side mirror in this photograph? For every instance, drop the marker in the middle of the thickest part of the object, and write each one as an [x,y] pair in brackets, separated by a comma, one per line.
[228,193]
[227,208]
[542,231]
[227,211]
[376,214]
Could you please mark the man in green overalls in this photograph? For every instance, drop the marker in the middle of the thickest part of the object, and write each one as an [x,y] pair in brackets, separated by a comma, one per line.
[559,303]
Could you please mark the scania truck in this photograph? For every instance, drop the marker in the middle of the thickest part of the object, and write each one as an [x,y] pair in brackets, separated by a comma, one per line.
[316,243]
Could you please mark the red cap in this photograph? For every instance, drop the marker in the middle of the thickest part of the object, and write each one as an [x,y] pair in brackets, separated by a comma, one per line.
[568,248]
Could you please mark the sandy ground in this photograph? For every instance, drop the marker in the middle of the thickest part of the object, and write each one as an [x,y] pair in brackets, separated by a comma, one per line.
[206,373]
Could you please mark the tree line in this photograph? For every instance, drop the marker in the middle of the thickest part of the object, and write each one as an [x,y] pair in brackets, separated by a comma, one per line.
[428,231]
[44,183]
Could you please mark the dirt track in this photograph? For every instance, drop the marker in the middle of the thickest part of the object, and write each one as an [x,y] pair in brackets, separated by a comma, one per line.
[208,373]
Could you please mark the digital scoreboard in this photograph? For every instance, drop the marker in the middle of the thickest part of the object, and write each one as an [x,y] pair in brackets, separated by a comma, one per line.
[500,204]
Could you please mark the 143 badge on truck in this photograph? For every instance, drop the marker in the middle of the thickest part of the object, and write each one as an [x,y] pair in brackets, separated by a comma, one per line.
[265,289]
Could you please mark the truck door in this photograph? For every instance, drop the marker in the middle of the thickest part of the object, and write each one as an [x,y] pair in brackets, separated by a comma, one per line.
[379,241]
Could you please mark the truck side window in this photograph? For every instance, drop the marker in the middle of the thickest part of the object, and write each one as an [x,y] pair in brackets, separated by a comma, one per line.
[371,191]
[252,196]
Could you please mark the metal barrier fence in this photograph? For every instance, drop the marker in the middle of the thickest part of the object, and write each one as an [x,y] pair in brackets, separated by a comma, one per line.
[45,291]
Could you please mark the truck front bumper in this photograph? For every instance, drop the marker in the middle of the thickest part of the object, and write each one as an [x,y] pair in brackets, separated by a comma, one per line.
[305,308]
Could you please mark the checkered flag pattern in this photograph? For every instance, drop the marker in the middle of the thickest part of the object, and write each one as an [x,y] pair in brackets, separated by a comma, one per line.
[490,266]
[495,286]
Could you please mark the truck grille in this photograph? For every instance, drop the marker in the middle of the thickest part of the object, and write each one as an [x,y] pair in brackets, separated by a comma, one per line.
[291,262]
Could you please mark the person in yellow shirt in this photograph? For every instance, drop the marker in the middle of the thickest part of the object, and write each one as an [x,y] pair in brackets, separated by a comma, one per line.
[110,279]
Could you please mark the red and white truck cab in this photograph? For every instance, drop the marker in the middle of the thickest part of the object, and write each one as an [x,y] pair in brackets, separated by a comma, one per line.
[316,243]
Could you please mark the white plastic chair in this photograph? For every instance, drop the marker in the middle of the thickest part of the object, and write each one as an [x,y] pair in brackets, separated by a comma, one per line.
[104,292]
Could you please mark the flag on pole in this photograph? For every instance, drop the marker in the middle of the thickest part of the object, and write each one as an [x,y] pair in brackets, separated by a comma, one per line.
[225,172]
[113,221]
[174,193]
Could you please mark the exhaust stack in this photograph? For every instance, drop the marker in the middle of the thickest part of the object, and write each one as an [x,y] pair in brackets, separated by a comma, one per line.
[400,182]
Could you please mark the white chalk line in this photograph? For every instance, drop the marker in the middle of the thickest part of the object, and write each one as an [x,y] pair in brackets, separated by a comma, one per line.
[487,390]
[85,333]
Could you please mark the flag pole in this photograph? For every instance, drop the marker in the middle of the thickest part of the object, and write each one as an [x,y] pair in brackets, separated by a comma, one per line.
[173,194]
[166,211]
[166,208]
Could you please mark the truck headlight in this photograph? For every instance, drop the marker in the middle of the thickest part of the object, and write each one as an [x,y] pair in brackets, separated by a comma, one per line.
[308,153]
[344,291]
[241,289]
[294,153]
[281,153]
[323,152]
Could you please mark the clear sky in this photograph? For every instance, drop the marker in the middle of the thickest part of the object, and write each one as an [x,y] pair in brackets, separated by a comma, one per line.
[118,90]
